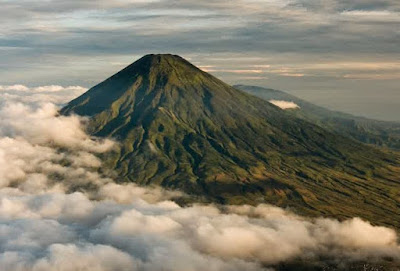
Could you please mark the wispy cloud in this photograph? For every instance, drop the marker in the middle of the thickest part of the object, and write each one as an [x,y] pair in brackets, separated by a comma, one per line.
[253,78]
[292,74]
[234,71]
[372,16]
[373,76]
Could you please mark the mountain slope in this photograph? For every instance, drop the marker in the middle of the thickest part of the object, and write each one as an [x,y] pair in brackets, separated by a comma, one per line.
[380,133]
[182,128]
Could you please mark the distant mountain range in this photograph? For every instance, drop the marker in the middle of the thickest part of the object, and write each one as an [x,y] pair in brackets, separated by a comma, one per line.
[182,128]
[380,133]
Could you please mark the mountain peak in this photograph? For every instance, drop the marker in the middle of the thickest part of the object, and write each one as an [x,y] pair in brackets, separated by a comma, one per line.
[161,56]
[160,64]
[155,75]
[158,59]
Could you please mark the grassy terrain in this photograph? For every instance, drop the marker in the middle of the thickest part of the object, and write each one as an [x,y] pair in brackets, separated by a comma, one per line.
[182,128]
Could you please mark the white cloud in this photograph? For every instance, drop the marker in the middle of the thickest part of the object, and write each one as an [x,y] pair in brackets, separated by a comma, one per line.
[284,104]
[42,126]
[14,88]
[52,93]
[70,257]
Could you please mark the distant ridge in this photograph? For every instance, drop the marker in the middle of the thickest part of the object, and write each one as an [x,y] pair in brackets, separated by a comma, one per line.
[370,131]
[182,128]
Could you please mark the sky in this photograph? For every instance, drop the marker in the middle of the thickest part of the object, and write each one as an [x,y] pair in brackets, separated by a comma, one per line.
[58,212]
[338,53]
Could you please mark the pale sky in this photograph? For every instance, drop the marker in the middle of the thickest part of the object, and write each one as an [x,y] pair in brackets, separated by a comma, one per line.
[343,54]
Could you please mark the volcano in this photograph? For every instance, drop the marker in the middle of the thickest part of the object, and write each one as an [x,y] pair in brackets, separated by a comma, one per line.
[181,128]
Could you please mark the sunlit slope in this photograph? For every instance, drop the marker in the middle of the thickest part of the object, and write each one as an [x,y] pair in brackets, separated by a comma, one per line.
[182,128]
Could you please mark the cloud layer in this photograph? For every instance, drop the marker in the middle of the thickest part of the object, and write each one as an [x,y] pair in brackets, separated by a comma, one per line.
[58,212]
[53,94]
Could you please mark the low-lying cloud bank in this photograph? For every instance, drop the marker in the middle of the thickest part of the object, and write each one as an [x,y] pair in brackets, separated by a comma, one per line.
[33,95]
[48,221]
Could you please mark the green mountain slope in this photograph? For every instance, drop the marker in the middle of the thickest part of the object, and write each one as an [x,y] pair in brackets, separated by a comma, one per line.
[182,128]
[380,133]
